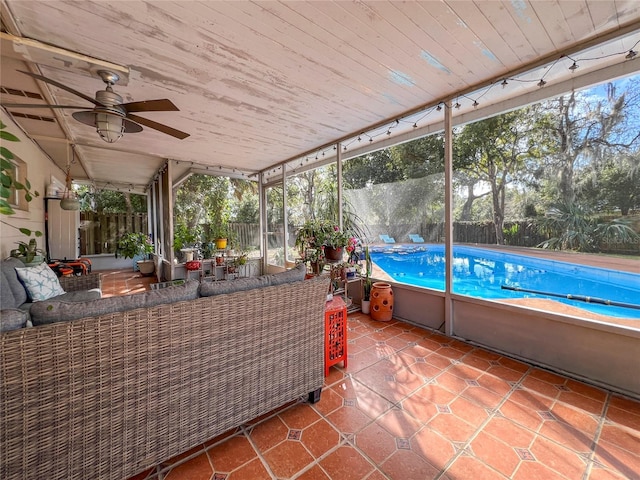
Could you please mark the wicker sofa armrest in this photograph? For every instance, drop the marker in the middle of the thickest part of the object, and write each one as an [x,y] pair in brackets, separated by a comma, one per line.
[83,282]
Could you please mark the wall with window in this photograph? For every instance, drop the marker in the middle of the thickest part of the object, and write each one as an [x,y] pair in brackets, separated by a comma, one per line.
[39,170]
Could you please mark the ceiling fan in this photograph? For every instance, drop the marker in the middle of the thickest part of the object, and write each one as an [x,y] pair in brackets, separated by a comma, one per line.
[110,116]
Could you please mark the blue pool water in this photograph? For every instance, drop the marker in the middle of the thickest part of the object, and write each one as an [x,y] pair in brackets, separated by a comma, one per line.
[479,272]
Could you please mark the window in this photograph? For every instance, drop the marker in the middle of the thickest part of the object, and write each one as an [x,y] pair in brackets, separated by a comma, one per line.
[18,173]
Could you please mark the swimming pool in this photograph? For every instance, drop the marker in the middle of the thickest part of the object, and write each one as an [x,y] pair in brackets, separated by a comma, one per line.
[493,274]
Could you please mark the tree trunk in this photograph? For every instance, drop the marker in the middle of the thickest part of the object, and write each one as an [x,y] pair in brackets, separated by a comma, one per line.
[468,204]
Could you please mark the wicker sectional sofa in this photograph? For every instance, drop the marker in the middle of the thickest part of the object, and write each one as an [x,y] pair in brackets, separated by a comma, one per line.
[108,396]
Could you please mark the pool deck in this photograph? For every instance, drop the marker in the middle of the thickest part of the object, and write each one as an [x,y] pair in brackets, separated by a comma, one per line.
[624,264]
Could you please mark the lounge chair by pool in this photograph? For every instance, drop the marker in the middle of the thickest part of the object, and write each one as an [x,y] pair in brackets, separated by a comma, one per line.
[415,238]
[387,239]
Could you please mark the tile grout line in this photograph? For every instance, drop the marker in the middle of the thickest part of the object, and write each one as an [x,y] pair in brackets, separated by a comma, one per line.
[247,433]
[397,404]
[596,438]
[481,427]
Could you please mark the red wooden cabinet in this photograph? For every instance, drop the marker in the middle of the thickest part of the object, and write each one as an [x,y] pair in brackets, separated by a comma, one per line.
[335,333]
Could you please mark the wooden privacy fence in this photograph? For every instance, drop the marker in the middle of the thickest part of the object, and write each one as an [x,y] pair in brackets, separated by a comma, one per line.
[99,231]
[246,235]
[522,234]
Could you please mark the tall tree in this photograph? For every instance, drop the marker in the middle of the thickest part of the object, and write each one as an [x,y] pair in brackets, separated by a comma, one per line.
[496,150]
[202,199]
[589,128]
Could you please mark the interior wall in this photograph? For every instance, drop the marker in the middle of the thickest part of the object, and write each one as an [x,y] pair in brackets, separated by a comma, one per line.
[39,172]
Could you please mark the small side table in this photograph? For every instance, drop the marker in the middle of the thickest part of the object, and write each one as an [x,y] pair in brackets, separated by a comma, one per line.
[335,333]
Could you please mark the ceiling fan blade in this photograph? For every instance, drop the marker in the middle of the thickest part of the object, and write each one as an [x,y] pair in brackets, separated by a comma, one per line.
[158,126]
[151,106]
[63,87]
[34,105]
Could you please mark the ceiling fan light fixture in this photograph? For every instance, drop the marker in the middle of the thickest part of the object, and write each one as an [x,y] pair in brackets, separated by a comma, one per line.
[110,127]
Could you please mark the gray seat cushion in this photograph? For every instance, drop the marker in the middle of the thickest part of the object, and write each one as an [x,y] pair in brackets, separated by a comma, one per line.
[293,275]
[55,310]
[12,292]
[79,296]
[13,319]
[209,288]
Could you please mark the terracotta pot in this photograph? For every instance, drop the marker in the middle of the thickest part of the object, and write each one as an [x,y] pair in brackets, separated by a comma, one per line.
[381,302]
[333,254]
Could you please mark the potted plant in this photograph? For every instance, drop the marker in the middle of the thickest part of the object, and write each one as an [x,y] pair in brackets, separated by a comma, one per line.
[139,247]
[221,235]
[238,261]
[321,240]
[335,242]
[29,253]
[366,283]
[184,240]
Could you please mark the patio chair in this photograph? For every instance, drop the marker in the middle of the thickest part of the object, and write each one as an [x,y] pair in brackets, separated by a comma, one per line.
[387,239]
[415,238]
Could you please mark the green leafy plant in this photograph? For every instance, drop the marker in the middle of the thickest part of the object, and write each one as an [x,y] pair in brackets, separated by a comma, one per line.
[367,284]
[240,259]
[8,183]
[184,237]
[131,245]
[318,233]
[27,251]
[572,227]
[510,233]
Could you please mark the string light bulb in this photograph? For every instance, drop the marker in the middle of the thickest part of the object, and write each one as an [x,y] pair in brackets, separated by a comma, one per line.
[541,83]
[573,67]
[504,83]
[439,107]
[475,104]
[631,54]
[457,105]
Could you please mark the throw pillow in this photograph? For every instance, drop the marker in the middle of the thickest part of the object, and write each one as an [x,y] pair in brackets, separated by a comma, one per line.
[40,282]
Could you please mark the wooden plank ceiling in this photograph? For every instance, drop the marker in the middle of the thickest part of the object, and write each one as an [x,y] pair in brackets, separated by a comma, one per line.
[258,83]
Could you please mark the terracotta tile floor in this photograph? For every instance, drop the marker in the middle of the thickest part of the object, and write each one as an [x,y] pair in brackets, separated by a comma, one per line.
[124,282]
[414,404]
